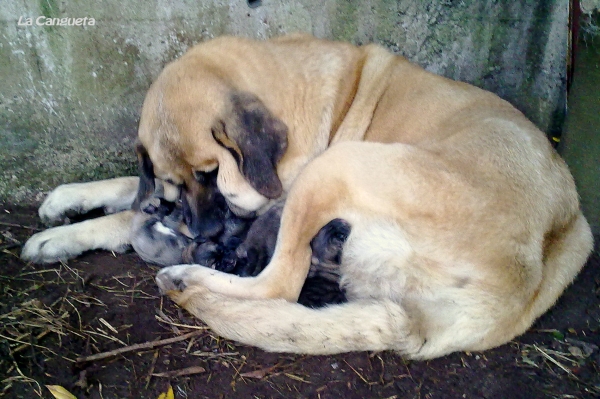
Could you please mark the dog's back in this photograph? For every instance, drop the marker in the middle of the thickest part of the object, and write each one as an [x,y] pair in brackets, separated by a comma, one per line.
[500,240]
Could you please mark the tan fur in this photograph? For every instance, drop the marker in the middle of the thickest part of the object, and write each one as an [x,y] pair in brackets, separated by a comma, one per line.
[465,222]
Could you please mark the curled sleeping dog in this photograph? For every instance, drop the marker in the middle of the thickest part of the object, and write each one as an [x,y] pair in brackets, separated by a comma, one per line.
[465,223]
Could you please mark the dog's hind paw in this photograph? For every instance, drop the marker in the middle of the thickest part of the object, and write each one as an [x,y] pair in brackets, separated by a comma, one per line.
[176,278]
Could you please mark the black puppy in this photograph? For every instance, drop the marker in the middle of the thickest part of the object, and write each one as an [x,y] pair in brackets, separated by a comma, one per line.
[219,252]
[322,284]
[161,234]
[322,287]
[244,246]
[255,252]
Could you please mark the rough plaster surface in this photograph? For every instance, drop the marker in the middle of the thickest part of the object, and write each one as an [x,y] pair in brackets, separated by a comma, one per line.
[70,96]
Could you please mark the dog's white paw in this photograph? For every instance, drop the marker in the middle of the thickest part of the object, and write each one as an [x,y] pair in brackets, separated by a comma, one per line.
[65,200]
[177,278]
[64,242]
[53,245]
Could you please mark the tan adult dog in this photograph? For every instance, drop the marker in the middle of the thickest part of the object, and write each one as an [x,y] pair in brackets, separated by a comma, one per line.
[465,224]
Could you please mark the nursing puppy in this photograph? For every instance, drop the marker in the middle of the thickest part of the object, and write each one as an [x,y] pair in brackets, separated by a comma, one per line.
[464,223]
[159,236]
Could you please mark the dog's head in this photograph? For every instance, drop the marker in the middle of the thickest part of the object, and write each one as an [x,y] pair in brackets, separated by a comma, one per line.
[201,134]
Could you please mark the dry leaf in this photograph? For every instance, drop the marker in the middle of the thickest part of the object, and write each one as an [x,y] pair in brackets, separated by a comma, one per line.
[258,374]
[167,395]
[575,351]
[59,392]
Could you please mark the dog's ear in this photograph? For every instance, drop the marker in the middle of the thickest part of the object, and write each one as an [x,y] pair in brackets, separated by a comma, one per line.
[256,139]
[146,186]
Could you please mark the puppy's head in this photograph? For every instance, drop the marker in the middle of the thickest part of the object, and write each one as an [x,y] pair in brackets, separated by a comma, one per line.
[200,133]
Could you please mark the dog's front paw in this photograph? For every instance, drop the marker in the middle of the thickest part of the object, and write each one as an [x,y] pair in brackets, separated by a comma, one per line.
[53,245]
[65,200]
[177,278]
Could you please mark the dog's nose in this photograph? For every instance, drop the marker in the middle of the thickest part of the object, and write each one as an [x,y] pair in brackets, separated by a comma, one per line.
[203,214]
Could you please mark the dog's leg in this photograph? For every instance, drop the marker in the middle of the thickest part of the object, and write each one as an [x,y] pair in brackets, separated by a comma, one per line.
[109,232]
[113,195]
[281,326]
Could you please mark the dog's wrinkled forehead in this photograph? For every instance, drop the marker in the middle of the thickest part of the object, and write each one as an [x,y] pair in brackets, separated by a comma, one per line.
[175,128]
[195,121]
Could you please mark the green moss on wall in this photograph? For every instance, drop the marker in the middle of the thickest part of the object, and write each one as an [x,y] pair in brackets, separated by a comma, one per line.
[345,20]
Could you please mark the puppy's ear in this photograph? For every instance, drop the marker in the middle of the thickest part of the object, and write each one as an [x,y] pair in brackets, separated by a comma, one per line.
[146,186]
[256,139]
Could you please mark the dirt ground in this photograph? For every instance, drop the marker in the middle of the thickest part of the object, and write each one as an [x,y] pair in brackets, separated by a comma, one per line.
[52,315]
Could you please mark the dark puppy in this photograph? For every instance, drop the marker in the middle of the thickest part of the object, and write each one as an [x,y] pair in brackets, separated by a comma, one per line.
[219,252]
[322,284]
[160,236]
[322,287]
[169,233]
[251,257]
[244,247]
[255,252]
[327,248]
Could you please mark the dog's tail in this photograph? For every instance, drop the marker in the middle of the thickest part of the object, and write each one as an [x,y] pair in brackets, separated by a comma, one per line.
[277,325]
[566,250]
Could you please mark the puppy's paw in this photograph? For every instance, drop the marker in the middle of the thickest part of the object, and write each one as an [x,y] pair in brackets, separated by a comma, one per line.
[53,245]
[177,278]
[65,200]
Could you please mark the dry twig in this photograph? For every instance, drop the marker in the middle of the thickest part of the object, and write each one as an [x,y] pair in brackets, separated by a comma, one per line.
[181,372]
[20,226]
[137,347]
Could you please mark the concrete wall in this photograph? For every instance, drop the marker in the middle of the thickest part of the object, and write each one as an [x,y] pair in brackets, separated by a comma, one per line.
[70,95]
